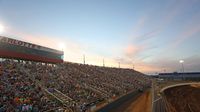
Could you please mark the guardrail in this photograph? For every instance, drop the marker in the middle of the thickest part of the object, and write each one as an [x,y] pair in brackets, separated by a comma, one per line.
[120,100]
[175,85]
[117,102]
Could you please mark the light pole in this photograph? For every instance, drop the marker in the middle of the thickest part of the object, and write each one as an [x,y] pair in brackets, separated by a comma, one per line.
[84,59]
[181,62]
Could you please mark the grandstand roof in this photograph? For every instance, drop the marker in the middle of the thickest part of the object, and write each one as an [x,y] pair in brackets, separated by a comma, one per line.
[17,49]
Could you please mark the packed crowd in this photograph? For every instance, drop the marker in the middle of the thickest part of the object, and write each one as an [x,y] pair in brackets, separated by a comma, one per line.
[22,85]
[19,93]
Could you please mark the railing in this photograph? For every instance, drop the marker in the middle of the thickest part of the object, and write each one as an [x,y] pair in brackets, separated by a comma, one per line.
[97,90]
[65,96]
[53,95]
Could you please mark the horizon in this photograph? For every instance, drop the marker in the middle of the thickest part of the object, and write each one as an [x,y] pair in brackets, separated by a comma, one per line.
[150,36]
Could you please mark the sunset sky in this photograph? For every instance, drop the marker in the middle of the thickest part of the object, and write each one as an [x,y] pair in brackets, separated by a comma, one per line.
[152,35]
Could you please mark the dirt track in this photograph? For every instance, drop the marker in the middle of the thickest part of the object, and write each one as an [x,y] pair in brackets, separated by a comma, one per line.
[141,104]
[184,98]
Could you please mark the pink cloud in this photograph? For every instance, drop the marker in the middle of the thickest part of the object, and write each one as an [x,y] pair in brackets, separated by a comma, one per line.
[132,50]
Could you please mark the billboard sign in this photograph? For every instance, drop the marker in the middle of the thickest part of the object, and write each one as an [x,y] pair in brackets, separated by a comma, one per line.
[12,48]
[27,44]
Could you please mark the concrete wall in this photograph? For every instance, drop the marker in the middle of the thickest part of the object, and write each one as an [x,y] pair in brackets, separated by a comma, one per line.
[118,102]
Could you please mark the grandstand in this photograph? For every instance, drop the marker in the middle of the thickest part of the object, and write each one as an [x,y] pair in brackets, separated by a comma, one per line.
[26,84]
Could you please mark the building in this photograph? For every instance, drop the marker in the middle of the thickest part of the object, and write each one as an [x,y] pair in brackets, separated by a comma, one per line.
[180,76]
[20,50]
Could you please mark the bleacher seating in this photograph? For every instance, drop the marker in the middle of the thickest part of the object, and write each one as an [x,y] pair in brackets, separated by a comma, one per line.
[23,85]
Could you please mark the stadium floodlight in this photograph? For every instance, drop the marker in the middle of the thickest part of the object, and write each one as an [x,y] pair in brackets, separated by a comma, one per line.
[1,28]
[181,61]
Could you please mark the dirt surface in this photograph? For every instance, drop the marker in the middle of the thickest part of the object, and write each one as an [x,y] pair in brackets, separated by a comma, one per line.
[141,104]
[183,98]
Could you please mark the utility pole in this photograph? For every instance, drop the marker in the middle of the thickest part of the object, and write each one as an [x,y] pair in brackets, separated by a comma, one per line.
[119,64]
[164,70]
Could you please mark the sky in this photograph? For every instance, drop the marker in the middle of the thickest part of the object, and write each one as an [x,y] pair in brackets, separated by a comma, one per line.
[150,36]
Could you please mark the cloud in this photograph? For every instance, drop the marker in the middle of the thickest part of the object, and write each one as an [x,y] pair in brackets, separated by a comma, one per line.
[188,33]
[136,50]
[168,14]
[190,29]
[132,50]
[139,25]
[191,64]
[146,36]
[138,46]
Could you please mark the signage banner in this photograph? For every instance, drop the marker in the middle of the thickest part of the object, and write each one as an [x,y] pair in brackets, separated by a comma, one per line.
[26,44]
